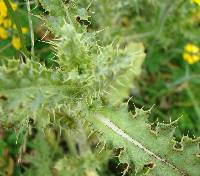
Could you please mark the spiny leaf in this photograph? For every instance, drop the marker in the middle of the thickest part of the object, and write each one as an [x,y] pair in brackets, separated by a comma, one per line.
[55,8]
[27,89]
[60,14]
[56,17]
[41,158]
[73,49]
[86,165]
[142,146]
[122,83]
[115,69]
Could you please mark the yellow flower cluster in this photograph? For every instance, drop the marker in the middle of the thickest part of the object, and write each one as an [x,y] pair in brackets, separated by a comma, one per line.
[6,25]
[196,1]
[191,53]
[16,43]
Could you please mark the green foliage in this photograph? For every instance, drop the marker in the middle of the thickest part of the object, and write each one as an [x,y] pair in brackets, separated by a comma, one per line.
[164,27]
[42,160]
[89,164]
[55,8]
[66,111]
[152,151]
[25,88]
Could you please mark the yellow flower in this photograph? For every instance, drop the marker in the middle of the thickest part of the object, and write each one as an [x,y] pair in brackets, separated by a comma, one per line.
[7,23]
[196,1]
[191,53]
[3,9]
[14,27]
[191,48]
[14,6]
[3,33]
[16,42]
[24,30]
[1,20]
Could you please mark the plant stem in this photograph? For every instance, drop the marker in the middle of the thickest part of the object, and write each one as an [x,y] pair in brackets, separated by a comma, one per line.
[30,27]
[194,102]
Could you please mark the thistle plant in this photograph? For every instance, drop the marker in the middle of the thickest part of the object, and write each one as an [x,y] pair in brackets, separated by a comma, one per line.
[83,102]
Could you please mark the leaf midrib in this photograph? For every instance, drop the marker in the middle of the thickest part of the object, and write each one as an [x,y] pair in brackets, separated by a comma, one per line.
[107,122]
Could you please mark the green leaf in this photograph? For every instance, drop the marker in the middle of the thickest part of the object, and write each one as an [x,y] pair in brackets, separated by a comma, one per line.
[153,152]
[122,83]
[55,8]
[27,89]
[86,165]
[42,158]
